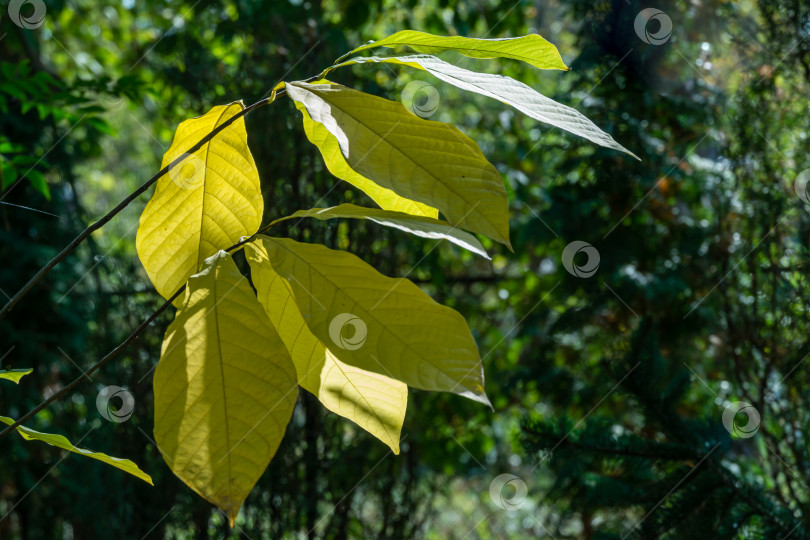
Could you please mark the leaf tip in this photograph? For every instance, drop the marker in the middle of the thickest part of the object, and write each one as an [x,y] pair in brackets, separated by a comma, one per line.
[478,394]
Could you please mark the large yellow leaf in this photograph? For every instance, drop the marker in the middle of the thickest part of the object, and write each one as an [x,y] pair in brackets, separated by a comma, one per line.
[507,90]
[336,163]
[532,49]
[225,387]
[204,204]
[429,162]
[61,442]
[419,225]
[376,323]
[375,402]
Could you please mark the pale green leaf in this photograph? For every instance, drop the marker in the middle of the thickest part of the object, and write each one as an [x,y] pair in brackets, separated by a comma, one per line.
[420,226]
[336,163]
[204,204]
[430,162]
[14,375]
[374,402]
[61,442]
[509,91]
[532,49]
[225,387]
[376,323]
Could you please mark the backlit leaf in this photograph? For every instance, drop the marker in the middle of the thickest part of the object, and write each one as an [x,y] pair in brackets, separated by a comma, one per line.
[336,163]
[14,375]
[430,162]
[60,441]
[532,49]
[418,225]
[376,323]
[225,387]
[204,204]
[375,402]
[509,91]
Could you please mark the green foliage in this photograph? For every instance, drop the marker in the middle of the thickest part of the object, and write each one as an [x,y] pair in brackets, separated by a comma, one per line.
[61,442]
[704,310]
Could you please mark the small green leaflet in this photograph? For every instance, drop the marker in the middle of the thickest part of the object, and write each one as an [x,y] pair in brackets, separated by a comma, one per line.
[532,49]
[61,442]
[14,375]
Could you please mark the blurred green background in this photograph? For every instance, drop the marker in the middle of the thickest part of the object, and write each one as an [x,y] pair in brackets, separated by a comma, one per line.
[609,391]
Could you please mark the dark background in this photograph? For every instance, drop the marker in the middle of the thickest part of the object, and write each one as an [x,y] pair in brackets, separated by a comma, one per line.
[608,391]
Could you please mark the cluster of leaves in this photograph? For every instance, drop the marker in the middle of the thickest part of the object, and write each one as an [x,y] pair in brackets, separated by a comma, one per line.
[231,361]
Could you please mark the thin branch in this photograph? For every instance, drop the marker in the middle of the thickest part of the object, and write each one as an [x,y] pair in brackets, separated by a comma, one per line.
[132,337]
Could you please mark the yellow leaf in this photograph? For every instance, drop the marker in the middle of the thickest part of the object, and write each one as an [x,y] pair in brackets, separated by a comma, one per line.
[506,90]
[388,326]
[374,402]
[532,49]
[204,204]
[225,387]
[61,442]
[419,225]
[429,162]
[14,375]
[336,163]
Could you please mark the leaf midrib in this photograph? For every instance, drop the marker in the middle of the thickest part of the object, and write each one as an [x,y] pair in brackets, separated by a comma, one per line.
[205,184]
[222,376]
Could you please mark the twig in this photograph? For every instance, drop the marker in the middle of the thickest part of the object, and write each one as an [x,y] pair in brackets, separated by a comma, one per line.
[132,337]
